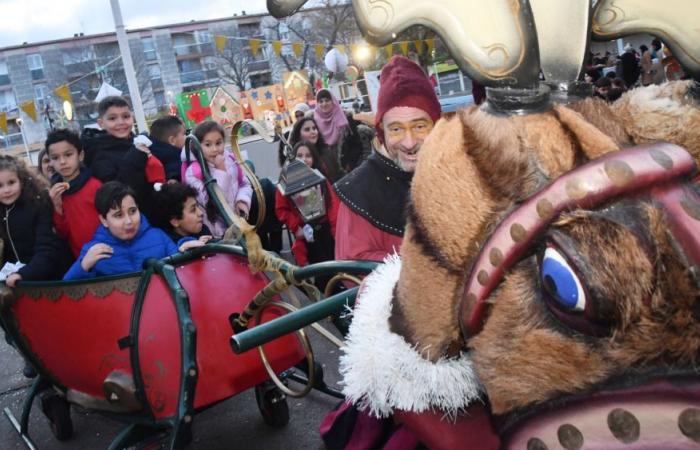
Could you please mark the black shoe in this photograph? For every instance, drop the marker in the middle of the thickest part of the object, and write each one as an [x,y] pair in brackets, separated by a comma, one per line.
[28,371]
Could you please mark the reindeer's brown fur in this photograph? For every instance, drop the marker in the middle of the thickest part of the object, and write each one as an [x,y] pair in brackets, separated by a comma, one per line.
[473,168]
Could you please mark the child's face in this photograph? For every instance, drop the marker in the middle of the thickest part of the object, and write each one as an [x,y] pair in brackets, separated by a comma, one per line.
[117,121]
[10,187]
[212,145]
[123,222]
[178,139]
[192,216]
[65,159]
[304,154]
[309,132]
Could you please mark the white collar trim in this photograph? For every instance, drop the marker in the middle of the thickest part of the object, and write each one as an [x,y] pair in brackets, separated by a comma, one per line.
[382,372]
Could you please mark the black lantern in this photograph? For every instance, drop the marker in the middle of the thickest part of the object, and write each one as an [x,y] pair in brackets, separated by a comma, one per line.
[304,186]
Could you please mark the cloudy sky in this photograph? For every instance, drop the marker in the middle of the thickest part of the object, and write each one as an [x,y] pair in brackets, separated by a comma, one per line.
[41,20]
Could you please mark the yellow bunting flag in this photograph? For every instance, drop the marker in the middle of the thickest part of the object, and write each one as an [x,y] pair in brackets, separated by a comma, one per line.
[63,91]
[297,47]
[220,42]
[404,47]
[3,122]
[29,109]
[431,45]
[354,48]
[340,48]
[419,46]
[389,49]
[277,47]
[319,50]
[254,46]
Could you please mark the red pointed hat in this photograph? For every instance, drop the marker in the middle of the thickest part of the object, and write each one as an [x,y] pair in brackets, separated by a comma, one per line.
[403,83]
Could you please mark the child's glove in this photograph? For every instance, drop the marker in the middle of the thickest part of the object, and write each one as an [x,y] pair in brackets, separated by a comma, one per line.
[142,140]
[308,233]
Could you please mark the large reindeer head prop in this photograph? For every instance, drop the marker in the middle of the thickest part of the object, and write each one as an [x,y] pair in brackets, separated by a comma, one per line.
[544,267]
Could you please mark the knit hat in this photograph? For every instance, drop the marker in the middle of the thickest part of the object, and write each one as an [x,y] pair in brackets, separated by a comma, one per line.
[403,83]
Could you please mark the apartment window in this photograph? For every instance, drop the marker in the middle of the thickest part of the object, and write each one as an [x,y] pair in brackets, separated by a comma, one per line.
[77,55]
[260,79]
[159,98]
[203,36]
[154,72]
[7,100]
[41,93]
[249,29]
[4,75]
[36,66]
[149,49]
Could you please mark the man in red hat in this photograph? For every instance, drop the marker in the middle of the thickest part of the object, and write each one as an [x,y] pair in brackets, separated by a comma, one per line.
[371,217]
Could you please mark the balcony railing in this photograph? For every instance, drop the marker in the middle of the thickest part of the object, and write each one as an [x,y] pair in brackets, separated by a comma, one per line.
[258,66]
[10,140]
[197,76]
[206,49]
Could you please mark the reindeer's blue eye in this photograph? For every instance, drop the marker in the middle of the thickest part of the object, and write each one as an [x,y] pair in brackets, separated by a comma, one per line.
[561,282]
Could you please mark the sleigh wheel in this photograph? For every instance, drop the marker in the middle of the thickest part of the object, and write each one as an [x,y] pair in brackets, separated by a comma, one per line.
[57,410]
[272,404]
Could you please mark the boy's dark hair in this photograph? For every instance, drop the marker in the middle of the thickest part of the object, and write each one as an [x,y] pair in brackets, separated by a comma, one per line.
[108,102]
[63,134]
[110,196]
[171,200]
[656,44]
[164,127]
[603,82]
[207,127]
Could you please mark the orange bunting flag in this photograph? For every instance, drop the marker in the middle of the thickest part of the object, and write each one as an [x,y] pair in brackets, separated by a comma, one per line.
[340,48]
[3,122]
[277,47]
[63,91]
[404,47]
[254,46]
[297,47]
[419,46]
[431,46]
[389,49]
[220,42]
[29,109]
[319,50]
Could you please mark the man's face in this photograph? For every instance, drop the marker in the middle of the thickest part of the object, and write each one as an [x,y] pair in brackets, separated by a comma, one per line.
[405,129]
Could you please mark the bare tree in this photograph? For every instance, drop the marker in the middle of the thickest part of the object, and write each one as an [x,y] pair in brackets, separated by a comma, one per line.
[236,63]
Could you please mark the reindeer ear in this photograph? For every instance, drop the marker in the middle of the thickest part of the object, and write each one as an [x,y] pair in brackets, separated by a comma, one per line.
[592,142]
[502,160]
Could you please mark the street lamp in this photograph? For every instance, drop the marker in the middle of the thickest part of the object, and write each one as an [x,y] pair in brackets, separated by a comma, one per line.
[20,124]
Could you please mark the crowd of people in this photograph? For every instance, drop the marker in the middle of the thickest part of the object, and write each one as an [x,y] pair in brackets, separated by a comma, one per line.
[613,75]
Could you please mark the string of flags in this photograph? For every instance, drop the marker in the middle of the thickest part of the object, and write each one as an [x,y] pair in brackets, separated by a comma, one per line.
[62,91]
[420,45]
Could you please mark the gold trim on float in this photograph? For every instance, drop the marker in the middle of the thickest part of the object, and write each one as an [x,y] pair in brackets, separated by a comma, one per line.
[98,289]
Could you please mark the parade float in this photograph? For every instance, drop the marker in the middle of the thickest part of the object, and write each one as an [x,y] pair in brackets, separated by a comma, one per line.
[546,294]
[151,349]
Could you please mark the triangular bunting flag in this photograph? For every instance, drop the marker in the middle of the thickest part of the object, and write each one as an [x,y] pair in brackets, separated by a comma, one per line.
[354,48]
[419,46]
[29,109]
[277,47]
[389,50]
[3,122]
[340,48]
[106,90]
[319,50]
[404,47]
[297,48]
[254,46]
[431,46]
[63,91]
[220,42]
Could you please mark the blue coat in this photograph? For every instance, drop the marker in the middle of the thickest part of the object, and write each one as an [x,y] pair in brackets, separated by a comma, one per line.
[128,256]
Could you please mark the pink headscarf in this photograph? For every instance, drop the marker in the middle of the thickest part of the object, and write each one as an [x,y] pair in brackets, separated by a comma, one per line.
[333,123]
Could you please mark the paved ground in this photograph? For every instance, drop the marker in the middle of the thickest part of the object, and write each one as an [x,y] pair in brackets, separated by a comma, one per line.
[234,423]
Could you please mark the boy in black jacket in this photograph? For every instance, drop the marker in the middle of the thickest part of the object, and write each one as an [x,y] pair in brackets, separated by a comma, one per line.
[105,150]
[167,139]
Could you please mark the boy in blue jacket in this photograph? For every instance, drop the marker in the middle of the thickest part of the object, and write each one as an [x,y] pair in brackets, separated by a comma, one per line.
[124,240]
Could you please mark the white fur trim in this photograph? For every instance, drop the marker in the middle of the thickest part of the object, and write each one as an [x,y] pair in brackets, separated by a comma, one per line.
[381,371]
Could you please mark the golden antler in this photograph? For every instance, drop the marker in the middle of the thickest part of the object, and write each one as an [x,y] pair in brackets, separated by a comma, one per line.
[494,42]
[673,21]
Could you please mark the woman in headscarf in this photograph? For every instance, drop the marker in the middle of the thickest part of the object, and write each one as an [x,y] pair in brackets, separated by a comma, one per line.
[348,141]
